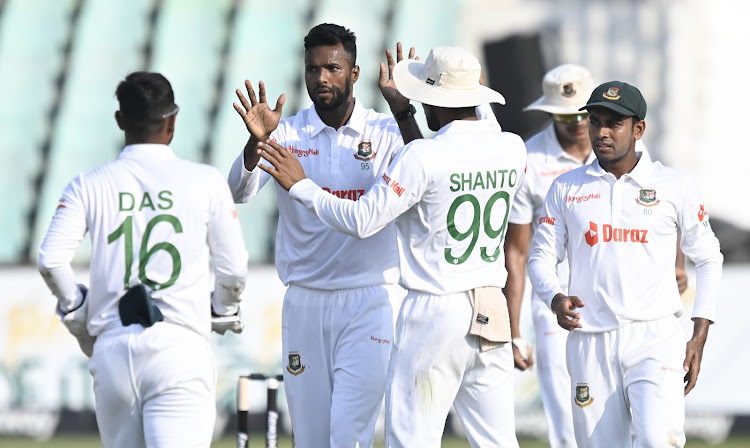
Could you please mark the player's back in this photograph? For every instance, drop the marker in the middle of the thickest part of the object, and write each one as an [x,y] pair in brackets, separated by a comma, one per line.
[149,213]
[455,233]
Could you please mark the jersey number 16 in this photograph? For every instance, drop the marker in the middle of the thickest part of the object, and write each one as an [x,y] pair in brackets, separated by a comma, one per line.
[126,231]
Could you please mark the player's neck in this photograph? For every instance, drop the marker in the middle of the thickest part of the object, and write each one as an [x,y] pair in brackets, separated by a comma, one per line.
[337,117]
[156,139]
[579,150]
[621,166]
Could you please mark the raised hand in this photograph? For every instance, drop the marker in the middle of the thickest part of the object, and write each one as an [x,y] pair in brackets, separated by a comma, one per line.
[396,101]
[259,119]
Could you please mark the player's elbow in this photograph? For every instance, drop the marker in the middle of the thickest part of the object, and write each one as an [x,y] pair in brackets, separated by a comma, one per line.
[44,264]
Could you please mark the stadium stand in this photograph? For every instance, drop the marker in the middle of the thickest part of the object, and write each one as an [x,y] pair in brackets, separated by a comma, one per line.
[107,45]
[190,59]
[265,45]
[32,35]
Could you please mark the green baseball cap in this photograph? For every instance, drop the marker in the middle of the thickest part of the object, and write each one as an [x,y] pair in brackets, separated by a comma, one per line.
[620,97]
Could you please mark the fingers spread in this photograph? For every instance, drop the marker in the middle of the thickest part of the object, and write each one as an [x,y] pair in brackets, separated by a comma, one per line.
[262,91]
[242,98]
[250,93]
[280,103]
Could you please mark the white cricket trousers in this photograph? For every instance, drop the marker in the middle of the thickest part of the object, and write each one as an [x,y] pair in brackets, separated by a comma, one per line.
[627,385]
[435,364]
[336,346]
[552,373]
[154,387]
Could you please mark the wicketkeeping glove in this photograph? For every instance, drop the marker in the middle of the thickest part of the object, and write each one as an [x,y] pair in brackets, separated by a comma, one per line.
[75,321]
[220,324]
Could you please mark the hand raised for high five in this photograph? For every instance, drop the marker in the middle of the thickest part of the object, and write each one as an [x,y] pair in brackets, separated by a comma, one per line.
[396,101]
[259,119]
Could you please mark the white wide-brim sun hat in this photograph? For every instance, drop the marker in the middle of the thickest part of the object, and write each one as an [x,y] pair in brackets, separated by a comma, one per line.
[449,77]
[565,88]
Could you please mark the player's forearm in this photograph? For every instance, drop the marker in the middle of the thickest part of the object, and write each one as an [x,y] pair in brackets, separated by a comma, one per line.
[360,219]
[250,154]
[60,280]
[700,329]
[707,285]
[56,254]
[543,276]
[514,289]
[409,129]
[243,184]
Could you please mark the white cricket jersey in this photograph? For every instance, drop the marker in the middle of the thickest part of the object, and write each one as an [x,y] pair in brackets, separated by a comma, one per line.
[545,161]
[621,238]
[345,163]
[451,194]
[154,219]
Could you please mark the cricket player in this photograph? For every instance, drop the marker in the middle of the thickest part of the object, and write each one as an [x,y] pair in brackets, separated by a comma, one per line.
[618,219]
[562,146]
[145,322]
[450,197]
[338,311]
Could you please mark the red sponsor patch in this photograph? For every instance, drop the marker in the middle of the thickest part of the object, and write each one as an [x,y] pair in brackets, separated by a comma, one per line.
[702,213]
[394,186]
[584,198]
[614,234]
[303,153]
[346,194]
[547,220]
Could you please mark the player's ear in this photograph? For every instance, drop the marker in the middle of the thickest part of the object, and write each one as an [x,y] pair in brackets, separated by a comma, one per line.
[119,120]
[355,73]
[639,129]
[170,124]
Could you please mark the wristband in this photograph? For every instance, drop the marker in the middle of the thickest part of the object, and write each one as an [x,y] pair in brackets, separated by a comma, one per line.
[522,346]
[404,114]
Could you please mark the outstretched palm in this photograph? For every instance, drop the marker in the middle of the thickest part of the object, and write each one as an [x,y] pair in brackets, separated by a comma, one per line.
[259,119]
[395,99]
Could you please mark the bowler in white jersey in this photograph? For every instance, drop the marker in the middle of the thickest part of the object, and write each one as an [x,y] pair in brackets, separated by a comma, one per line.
[338,311]
[450,197]
[618,218]
[155,221]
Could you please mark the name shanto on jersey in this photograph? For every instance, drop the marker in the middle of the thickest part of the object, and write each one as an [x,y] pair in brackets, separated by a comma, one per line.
[452,196]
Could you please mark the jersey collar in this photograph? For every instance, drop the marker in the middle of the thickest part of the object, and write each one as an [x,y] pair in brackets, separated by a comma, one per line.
[150,150]
[460,126]
[640,173]
[356,121]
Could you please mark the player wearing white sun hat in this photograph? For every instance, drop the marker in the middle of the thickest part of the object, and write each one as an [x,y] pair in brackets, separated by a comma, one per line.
[450,197]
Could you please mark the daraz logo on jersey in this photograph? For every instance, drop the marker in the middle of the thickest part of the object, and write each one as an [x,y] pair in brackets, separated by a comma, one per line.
[614,234]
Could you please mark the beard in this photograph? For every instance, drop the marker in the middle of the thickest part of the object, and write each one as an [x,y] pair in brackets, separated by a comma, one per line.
[337,96]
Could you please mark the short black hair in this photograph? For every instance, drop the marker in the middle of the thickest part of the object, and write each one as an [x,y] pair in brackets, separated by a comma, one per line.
[145,98]
[330,34]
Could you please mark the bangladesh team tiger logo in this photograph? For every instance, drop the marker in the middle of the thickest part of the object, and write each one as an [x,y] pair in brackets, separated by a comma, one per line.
[364,151]
[295,366]
[583,397]
[647,197]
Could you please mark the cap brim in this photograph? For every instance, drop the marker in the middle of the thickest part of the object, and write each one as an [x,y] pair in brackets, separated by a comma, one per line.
[406,76]
[611,106]
[544,106]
